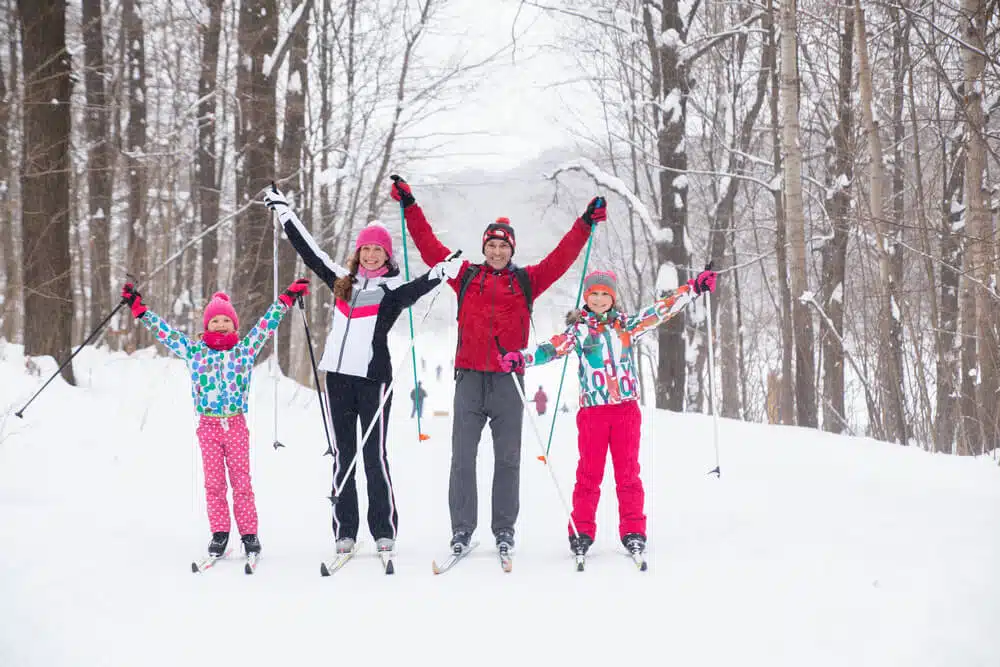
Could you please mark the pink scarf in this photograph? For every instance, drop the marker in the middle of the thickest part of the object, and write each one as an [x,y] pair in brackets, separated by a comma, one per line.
[381,271]
[220,341]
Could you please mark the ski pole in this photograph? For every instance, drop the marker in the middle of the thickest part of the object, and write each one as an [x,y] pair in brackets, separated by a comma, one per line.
[541,446]
[20,413]
[409,313]
[711,383]
[275,367]
[335,498]
[562,376]
[319,391]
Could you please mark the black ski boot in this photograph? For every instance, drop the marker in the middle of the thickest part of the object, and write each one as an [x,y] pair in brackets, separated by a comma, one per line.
[505,540]
[460,541]
[251,544]
[217,547]
[635,543]
[580,544]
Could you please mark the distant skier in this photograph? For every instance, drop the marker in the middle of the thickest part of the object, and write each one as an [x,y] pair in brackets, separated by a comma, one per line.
[369,296]
[609,416]
[220,365]
[417,395]
[437,372]
[494,304]
[541,400]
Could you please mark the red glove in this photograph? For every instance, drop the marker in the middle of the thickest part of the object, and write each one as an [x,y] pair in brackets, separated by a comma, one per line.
[297,289]
[597,211]
[134,299]
[401,191]
[511,362]
[705,282]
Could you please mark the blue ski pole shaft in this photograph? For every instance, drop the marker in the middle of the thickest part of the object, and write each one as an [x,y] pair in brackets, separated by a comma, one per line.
[409,312]
[562,377]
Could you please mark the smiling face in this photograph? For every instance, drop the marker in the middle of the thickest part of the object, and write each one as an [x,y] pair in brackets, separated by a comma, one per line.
[221,324]
[600,301]
[372,257]
[498,253]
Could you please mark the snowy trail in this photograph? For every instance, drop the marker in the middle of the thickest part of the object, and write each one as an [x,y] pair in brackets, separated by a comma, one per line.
[811,549]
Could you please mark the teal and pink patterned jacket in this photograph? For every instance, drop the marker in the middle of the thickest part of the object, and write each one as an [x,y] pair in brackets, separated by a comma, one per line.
[605,347]
[219,378]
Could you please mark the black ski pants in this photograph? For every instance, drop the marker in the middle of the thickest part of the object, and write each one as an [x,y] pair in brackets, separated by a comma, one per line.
[351,399]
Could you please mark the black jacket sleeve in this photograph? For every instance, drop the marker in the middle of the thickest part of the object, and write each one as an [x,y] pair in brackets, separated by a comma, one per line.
[409,293]
[318,261]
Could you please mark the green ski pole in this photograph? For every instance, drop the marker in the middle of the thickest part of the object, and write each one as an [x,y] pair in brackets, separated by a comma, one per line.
[579,293]
[409,311]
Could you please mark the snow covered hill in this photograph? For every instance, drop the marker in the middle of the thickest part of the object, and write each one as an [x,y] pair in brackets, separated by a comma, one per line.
[809,550]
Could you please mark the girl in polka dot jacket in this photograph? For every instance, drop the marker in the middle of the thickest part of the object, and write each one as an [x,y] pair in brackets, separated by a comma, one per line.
[609,419]
[220,365]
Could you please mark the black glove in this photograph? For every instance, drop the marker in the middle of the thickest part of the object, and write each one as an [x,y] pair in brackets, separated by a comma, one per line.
[597,211]
[401,191]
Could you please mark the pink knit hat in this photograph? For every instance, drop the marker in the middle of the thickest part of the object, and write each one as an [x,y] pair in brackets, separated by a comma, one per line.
[375,234]
[219,305]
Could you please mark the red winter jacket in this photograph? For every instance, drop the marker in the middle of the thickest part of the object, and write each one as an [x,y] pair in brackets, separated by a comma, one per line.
[494,306]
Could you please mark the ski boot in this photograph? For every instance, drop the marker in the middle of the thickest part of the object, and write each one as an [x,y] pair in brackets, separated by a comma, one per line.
[345,545]
[460,541]
[580,544]
[635,543]
[217,547]
[251,545]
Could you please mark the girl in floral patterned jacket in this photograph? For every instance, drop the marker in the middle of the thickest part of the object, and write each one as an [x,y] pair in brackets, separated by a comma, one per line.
[609,417]
[220,365]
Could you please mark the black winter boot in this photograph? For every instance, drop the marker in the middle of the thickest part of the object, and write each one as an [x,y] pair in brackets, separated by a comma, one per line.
[505,539]
[217,547]
[251,544]
[580,544]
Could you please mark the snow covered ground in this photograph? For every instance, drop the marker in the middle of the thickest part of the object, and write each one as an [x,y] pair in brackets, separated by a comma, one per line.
[809,550]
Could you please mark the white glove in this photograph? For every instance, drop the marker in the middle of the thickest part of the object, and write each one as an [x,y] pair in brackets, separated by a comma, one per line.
[275,200]
[448,269]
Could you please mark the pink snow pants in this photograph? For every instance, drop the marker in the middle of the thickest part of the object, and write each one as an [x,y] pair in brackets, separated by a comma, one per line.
[225,443]
[618,428]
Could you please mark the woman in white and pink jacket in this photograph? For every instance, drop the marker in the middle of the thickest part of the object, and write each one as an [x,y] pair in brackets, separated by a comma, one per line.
[609,417]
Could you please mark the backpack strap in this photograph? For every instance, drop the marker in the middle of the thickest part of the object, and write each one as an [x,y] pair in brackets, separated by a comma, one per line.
[470,273]
[520,274]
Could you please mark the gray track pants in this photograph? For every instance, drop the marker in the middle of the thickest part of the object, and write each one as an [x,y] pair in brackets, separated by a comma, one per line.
[480,396]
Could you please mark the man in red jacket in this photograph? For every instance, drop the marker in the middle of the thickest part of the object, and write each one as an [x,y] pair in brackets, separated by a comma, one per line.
[494,316]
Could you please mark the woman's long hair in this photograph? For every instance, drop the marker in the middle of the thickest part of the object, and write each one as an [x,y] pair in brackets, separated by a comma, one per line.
[344,286]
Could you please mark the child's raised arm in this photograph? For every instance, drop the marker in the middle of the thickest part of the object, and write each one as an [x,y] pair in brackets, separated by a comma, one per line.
[254,341]
[666,307]
[174,340]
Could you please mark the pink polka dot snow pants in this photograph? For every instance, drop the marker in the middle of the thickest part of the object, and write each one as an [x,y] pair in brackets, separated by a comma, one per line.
[225,443]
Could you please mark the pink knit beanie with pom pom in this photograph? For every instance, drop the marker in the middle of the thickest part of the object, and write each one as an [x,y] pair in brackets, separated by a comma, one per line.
[220,305]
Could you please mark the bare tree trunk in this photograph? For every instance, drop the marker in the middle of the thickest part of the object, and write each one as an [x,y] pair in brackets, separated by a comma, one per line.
[100,161]
[841,176]
[48,303]
[981,423]
[255,137]
[208,186]
[805,372]
[670,87]
[10,326]
[135,146]
[786,396]
[292,160]
[897,306]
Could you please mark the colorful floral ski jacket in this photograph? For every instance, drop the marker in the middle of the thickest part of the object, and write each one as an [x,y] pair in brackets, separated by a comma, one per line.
[220,379]
[605,346]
